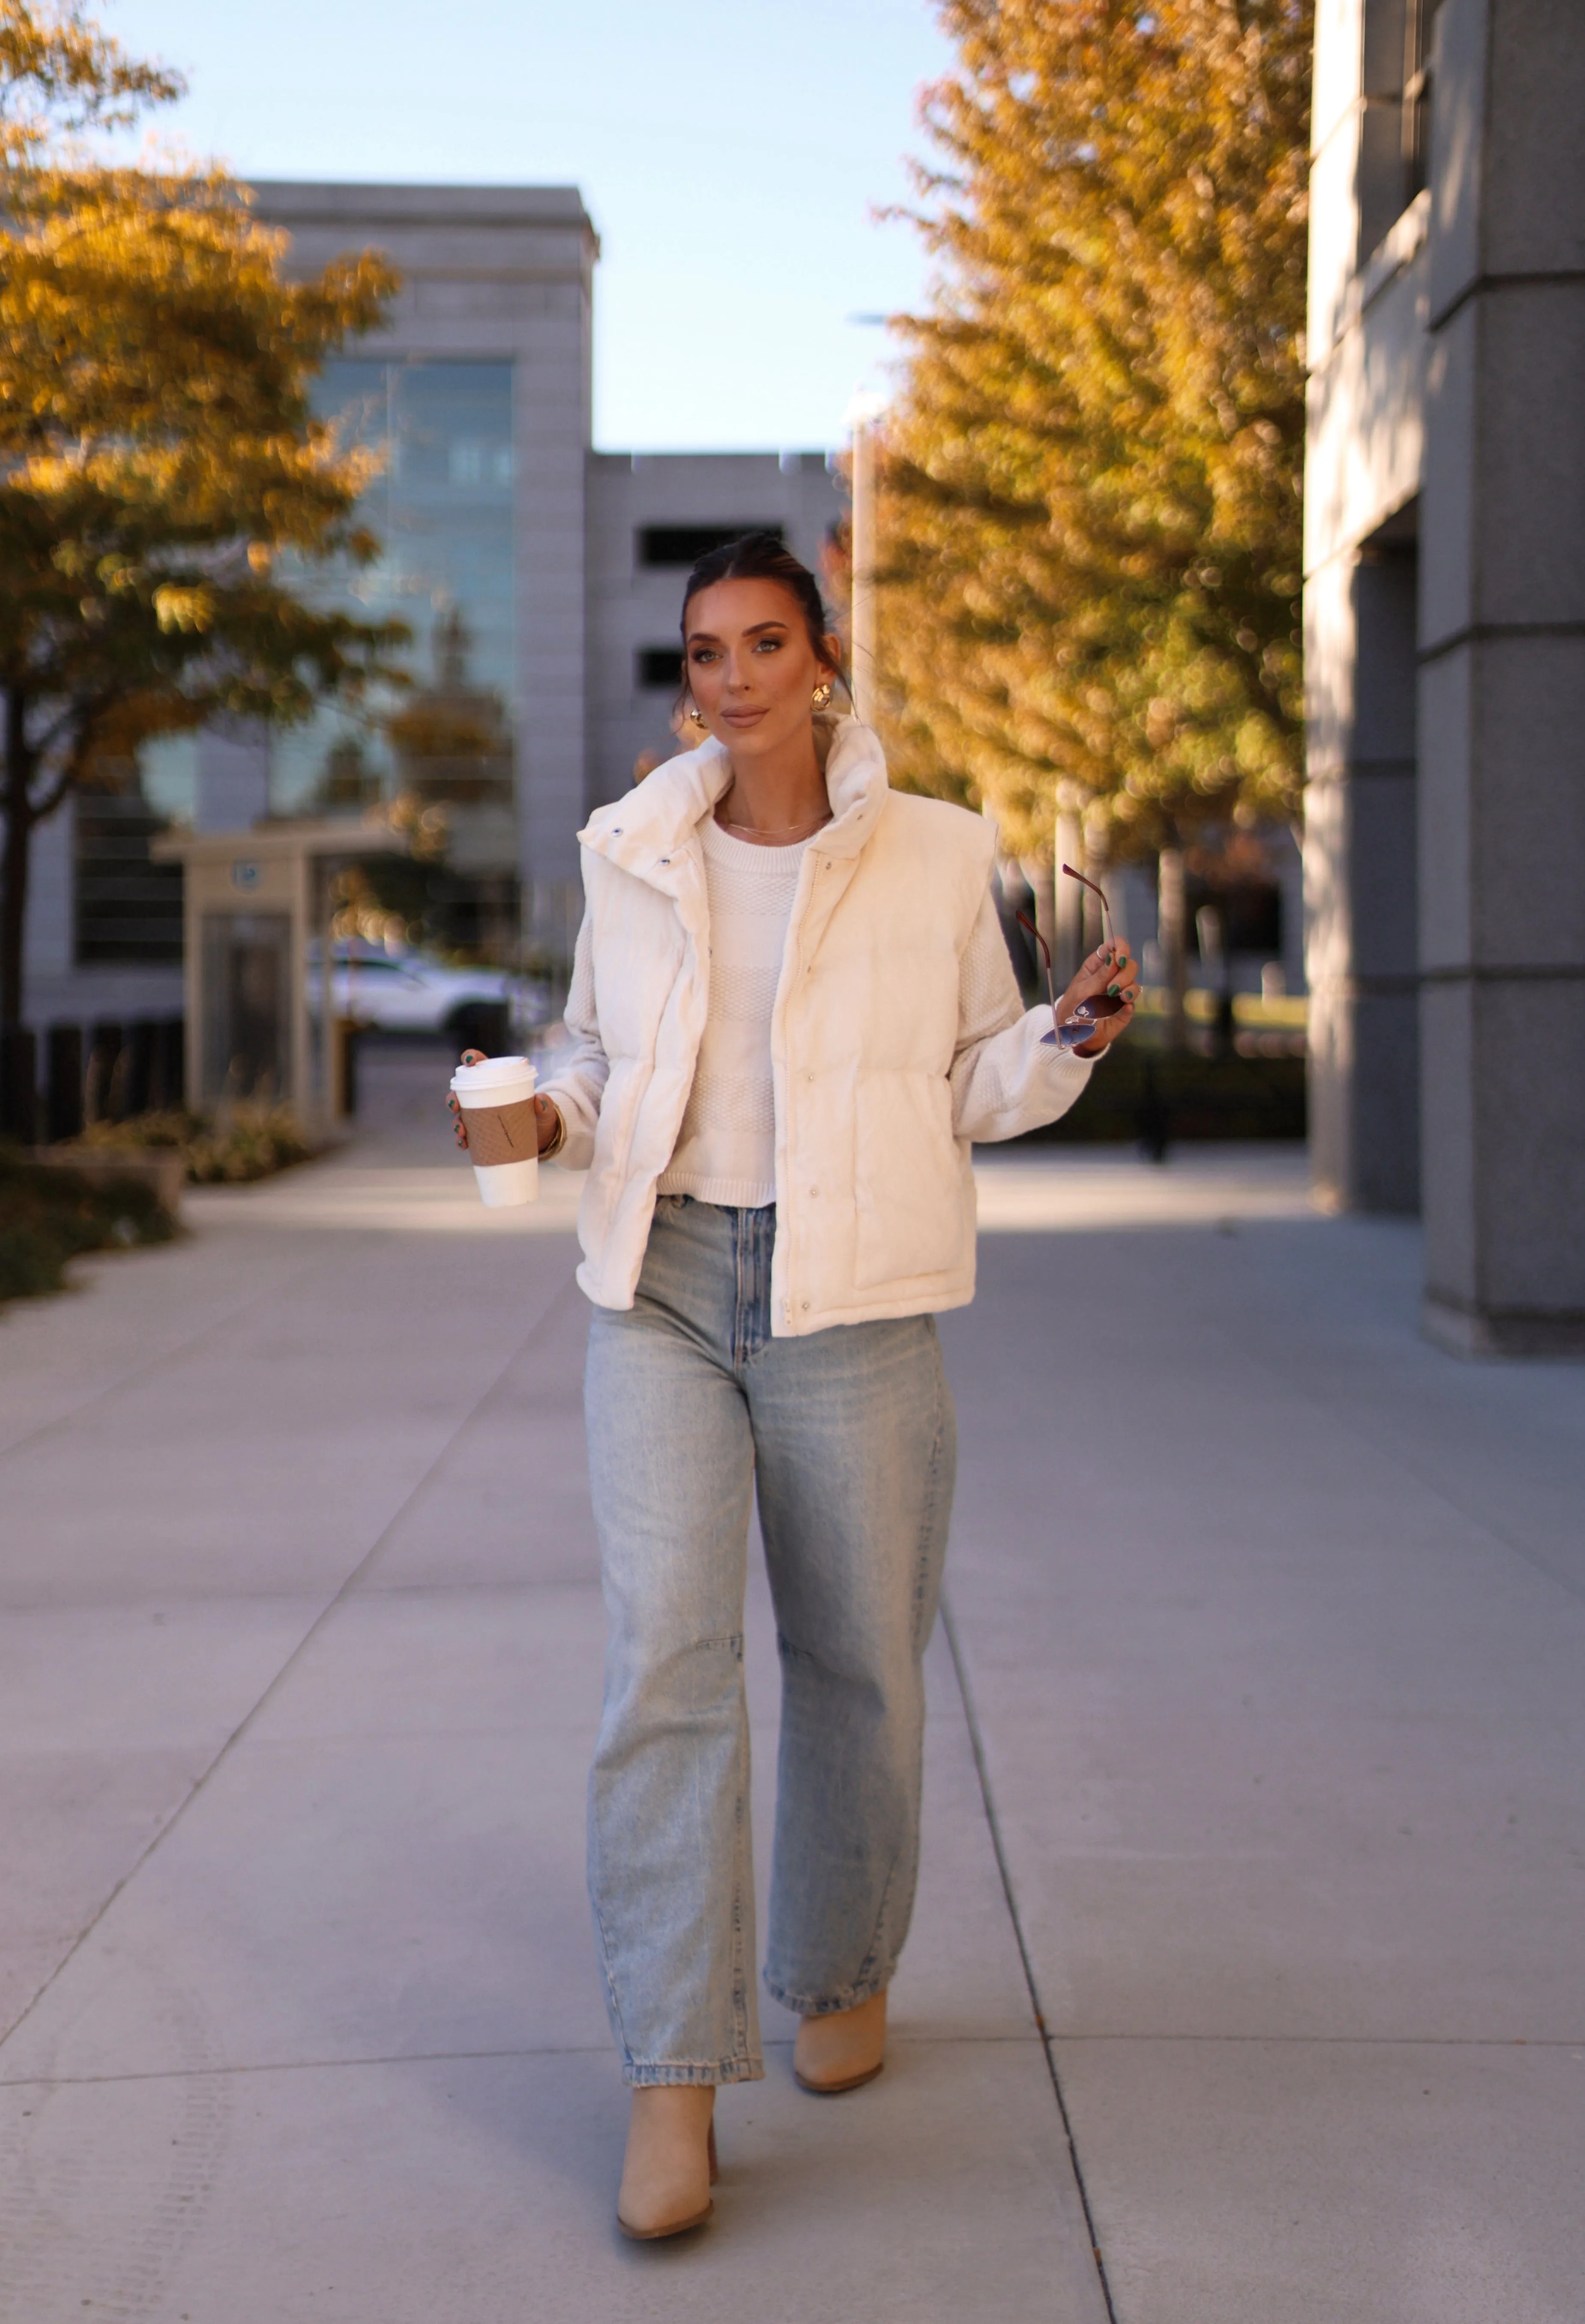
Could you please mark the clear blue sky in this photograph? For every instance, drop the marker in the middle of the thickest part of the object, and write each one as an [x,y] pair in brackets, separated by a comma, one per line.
[730,153]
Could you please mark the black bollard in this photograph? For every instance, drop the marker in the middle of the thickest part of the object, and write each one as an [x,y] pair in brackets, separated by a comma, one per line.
[484,1025]
[1152,1123]
[171,1063]
[19,1084]
[63,1090]
[138,1065]
[103,1083]
[1224,1040]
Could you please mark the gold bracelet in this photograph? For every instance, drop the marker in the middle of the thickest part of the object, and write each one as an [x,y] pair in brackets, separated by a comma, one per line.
[559,1139]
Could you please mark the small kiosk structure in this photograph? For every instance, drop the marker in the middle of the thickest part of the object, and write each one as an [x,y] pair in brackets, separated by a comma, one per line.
[259,982]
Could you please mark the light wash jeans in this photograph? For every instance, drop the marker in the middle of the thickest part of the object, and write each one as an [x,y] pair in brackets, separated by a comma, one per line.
[849,1436]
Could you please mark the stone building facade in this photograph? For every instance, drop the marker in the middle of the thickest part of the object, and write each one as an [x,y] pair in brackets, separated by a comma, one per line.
[1445,647]
[540,579]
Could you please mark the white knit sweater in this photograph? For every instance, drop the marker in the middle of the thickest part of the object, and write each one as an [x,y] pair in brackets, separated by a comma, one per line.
[726,1147]
[725,1150]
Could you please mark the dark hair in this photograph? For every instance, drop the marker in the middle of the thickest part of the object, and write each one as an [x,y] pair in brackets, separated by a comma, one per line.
[762,557]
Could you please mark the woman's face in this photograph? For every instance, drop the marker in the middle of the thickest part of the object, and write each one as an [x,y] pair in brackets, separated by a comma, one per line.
[751,667]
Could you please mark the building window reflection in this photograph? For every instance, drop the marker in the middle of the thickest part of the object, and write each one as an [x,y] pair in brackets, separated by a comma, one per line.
[442,510]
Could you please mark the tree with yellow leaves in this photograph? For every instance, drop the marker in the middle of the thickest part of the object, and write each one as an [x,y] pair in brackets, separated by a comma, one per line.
[160,468]
[1090,550]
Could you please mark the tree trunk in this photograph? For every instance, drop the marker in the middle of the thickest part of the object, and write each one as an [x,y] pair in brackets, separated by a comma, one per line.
[1069,946]
[1037,871]
[1172,934]
[16,831]
[1096,865]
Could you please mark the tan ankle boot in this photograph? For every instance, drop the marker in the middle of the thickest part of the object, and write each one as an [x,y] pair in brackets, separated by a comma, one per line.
[841,2051]
[670,2163]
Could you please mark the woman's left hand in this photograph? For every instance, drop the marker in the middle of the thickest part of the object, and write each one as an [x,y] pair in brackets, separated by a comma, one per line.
[1112,969]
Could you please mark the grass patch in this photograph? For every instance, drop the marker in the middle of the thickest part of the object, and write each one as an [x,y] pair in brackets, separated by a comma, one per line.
[49,1217]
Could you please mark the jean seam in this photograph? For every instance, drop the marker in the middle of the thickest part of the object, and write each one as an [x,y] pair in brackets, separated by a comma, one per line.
[740,1974]
[867,1967]
[737,1289]
[613,1999]
[927,1514]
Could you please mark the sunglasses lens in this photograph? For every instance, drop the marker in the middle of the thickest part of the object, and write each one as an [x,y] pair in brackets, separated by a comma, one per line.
[1069,1033]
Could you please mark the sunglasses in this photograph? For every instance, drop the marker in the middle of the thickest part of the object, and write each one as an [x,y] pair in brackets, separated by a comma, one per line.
[1071,1032]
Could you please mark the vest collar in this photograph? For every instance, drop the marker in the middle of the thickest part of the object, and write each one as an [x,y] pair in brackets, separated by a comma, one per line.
[643,831]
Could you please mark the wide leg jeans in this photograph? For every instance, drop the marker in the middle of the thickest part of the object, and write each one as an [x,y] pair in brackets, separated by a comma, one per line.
[847,1435]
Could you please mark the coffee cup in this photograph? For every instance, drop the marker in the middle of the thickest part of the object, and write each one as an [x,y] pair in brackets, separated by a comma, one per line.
[497,1102]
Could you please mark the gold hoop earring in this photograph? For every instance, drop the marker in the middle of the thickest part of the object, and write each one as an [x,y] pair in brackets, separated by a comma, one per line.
[823,695]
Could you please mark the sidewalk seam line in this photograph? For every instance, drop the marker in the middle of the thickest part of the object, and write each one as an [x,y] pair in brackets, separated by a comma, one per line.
[601,2049]
[141,1369]
[439,2058]
[976,1745]
[552,1304]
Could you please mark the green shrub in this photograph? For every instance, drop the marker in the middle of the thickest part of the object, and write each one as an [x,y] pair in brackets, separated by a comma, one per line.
[246,1142]
[1152,1097]
[49,1217]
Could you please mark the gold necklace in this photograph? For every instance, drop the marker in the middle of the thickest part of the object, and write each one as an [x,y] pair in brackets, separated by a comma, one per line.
[791,831]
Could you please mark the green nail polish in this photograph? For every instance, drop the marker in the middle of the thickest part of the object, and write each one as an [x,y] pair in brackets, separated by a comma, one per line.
[1110,990]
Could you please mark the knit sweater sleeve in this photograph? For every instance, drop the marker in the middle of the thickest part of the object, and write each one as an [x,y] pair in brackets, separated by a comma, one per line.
[578,1083]
[1004,1079]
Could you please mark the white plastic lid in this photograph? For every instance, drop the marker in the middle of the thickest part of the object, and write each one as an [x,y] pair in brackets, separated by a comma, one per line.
[495,1072]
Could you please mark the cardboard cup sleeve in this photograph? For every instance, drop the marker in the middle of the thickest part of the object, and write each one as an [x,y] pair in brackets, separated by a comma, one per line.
[502,1133]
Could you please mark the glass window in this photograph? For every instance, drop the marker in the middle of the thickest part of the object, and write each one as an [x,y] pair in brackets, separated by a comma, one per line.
[1419,30]
[127,908]
[442,510]
[673,545]
[247,988]
[660,666]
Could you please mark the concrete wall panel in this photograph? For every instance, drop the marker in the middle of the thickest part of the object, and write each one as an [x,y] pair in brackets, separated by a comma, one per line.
[1527,834]
[233,778]
[1335,89]
[1529,1060]
[1359,860]
[1364,441]
[1530,413]
[1334,231]
[47,949]
[1447,723]
[1458,132]
[1447,530]
[1448,1146]
[1534,206]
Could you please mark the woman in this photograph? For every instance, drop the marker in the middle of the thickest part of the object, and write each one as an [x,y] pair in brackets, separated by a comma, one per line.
[794,1012]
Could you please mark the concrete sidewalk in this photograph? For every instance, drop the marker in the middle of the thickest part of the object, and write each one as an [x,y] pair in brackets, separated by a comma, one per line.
[1258,1772]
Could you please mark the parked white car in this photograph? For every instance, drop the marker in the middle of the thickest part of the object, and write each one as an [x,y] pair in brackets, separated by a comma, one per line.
[408,992]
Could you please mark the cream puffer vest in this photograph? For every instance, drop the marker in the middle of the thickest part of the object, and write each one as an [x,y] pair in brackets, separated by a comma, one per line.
[875,1196]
